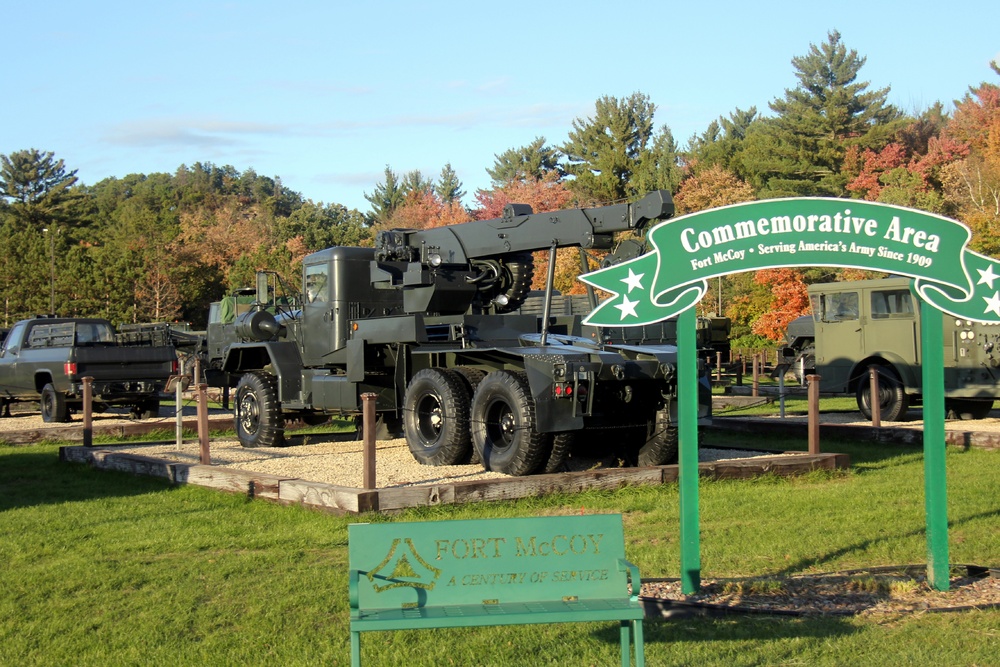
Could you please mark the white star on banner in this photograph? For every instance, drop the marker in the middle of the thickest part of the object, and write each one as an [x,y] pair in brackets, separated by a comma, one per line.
[993,304]
[634,281]
[987,276]
[628,308]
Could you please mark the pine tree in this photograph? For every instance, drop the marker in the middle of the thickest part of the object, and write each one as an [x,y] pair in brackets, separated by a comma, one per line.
[415,183]
[449,187]
[531,162]
[39,187]
[800,151]
[603,152]
[387,196]
[659,168]
[721,142]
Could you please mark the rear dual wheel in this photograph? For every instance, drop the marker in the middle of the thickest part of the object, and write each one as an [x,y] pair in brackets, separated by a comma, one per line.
[504,423]
[436,417]
[661,446]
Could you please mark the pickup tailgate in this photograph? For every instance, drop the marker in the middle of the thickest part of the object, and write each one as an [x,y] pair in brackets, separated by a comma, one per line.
[124,363]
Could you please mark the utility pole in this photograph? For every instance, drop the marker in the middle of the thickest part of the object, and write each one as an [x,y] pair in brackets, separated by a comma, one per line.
[52,270]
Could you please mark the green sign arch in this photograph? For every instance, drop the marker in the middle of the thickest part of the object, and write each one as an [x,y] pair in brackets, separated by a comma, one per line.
[687,251]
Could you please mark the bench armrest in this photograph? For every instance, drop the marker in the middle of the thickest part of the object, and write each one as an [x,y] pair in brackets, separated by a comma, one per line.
[633,577]
[352,583]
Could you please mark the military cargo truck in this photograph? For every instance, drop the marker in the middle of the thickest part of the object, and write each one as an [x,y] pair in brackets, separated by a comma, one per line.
[855,325]
[427,322]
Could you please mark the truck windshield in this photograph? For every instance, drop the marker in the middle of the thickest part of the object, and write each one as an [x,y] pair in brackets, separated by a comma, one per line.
[316,283]
[835,307]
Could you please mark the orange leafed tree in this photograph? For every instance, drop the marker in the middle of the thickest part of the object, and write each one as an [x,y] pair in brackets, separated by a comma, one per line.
[424,210]
[710,188]
[789,300]
[974,182]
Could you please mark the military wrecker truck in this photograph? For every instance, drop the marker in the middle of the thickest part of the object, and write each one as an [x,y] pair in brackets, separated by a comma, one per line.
[426,322]
[858,324]
[45,359]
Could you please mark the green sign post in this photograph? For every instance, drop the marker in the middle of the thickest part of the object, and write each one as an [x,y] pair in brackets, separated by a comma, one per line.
[688,251]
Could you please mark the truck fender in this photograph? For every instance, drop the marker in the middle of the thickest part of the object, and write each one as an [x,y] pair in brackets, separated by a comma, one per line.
[282,359]
[911,380]
[44,376]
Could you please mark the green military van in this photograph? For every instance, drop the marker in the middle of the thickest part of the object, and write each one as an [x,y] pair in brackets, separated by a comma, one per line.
[859,324]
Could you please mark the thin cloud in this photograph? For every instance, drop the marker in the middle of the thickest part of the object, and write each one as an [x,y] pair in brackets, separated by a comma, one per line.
[187,132]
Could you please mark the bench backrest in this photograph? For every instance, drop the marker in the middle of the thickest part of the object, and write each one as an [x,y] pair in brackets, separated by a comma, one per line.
[490,561]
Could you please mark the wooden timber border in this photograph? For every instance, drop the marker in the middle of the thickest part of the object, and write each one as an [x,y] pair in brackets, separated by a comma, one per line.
[74,432]
[343,499]
[884,434]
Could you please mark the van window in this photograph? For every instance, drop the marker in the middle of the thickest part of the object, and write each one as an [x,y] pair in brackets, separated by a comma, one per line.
[887,303]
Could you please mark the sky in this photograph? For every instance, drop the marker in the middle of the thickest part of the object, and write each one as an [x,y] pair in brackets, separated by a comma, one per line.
[325,95]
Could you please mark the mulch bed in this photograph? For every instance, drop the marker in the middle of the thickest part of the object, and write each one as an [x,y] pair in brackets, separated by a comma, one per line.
[889,590]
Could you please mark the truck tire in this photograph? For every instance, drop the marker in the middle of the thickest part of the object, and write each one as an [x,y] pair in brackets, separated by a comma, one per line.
[562,443]
[259,422]
[472,377]
[503,425]
[970,408]
[147,409]
[53,403]
[661,447]
[515,272]
[893,400]
[436,417]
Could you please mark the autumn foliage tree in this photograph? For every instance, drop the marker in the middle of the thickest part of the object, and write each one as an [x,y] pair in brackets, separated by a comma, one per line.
[974,181]
[789,300]
[715,186]
[424,209]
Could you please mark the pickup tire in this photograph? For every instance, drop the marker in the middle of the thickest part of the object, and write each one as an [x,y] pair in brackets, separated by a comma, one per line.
[893,401]
[259,422]
[504,423]
[436,417]
[53,404]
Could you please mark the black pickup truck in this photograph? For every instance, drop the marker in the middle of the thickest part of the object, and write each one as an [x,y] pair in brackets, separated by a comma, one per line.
[46,359]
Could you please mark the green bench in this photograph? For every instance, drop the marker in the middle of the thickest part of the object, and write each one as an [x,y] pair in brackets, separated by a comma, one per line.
[448,574]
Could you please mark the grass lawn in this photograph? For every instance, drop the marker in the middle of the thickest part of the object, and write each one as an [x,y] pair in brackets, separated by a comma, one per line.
[102,568]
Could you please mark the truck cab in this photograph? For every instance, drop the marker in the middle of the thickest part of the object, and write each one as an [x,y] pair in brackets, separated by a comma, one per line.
[876,323]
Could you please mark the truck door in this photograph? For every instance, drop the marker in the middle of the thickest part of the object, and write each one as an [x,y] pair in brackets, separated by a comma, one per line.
[9,353]
[839,337]
[317,331]
[893,324]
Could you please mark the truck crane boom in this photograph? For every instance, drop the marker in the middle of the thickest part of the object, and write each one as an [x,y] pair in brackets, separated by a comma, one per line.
[444,264]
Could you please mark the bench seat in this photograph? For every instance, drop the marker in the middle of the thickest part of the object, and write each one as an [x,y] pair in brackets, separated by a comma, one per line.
[509,613]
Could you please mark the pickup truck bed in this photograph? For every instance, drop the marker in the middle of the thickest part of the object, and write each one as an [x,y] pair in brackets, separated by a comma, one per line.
[46,359]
